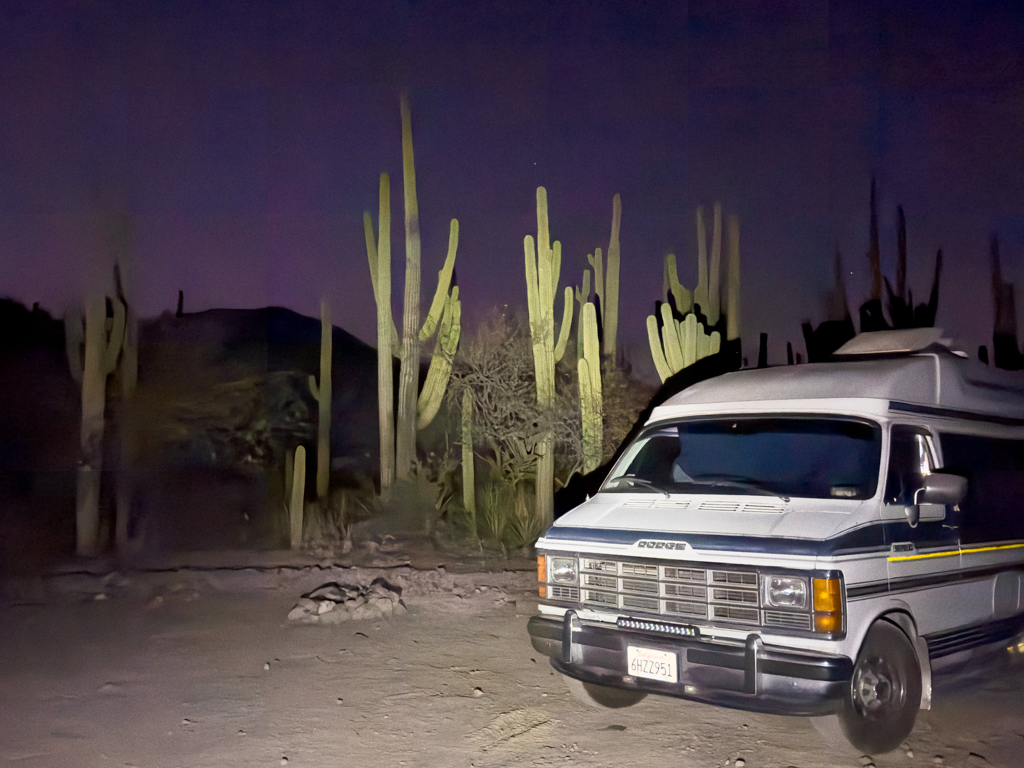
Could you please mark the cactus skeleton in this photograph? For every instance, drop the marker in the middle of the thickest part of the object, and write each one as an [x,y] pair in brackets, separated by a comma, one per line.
[102,339]
[322,394]
[468,469]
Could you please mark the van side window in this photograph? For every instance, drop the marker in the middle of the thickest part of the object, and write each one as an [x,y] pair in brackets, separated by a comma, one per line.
[909,462]
[994,468]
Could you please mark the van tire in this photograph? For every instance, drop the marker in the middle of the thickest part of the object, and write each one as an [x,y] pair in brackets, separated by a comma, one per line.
[602,696]
[885,691]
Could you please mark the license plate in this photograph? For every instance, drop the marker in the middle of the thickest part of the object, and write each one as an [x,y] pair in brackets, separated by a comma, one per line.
[652,664]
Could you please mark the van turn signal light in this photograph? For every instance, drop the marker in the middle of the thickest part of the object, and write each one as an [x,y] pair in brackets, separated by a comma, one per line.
[828,606]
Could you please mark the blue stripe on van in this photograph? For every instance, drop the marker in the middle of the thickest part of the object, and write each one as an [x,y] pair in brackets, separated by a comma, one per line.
[866,538]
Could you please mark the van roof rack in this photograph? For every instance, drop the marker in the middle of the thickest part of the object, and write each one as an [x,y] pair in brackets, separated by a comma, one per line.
[905,341]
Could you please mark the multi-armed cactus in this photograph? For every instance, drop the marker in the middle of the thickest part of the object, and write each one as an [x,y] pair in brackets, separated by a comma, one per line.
[93,345]
[543,265]
[589,372]
[413,411]
[322,394]
[681,344]
[682,338]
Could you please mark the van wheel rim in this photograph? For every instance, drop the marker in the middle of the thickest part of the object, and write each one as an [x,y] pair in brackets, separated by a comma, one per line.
[876,688]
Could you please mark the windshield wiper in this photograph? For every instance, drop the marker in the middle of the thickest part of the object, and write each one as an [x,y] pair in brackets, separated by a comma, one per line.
[724,481]
[641,482]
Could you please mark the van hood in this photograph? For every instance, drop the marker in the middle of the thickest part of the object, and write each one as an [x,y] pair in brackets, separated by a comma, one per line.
[760,516]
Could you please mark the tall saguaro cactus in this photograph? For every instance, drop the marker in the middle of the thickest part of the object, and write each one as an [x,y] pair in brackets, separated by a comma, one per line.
[543,265]
[589,374]
[322,394]
[414,412]
[93,345]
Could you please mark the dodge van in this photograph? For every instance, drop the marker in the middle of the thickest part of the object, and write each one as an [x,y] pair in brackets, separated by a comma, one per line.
[811,540]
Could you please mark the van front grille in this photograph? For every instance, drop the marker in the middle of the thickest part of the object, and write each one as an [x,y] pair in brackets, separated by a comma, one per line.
[682,591]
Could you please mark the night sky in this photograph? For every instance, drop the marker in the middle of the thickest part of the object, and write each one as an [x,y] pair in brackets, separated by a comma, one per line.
[245,140]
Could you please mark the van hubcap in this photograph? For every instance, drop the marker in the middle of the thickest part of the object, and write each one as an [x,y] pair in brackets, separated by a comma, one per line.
[875,687]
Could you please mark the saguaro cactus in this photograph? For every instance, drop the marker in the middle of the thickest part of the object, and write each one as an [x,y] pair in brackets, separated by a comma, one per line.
[589,373]
[93,347]
[298,498]
[682,338]
[681,344]
[412,410]
[543,265]
[322,394]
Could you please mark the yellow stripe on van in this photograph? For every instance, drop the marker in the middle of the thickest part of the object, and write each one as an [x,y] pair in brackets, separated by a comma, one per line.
[954,552]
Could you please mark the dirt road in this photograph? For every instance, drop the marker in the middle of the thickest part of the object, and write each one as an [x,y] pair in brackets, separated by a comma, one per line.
[220,678]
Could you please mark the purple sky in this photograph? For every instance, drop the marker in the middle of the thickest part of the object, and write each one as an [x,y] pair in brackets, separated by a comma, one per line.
[247,138]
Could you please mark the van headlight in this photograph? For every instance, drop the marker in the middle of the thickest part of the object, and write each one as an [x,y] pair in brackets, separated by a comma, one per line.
[785,592]
[563,570]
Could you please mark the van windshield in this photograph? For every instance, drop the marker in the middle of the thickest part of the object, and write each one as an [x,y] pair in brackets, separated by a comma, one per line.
[810,457]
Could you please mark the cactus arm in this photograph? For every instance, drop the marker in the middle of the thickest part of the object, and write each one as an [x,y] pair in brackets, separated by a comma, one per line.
[444,281]
[582,297]
[700,293]
[439,372]
[733,289]
[563,332]
[314,390]
[716,343]
[597,262]
[74,337]
[683,298]
[610,309]
[688,340]
[556,266]
[713,311]
[670,337]
[114,340]
[382,261]
[657,353]
[589,373]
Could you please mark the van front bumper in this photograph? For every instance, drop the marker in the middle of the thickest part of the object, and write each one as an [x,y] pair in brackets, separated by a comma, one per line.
[751,676]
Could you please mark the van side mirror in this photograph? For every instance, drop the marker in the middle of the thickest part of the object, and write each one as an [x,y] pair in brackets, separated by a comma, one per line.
[942,488]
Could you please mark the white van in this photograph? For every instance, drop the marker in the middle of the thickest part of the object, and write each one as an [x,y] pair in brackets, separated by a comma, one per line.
[807,540]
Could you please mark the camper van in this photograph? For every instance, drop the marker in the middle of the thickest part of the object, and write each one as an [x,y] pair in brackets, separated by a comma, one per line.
[811,540]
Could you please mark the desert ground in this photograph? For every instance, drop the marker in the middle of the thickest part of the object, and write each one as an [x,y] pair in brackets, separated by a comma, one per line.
[201,667]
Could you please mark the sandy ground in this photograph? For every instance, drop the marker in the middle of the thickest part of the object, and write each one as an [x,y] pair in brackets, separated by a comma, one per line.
[202,670]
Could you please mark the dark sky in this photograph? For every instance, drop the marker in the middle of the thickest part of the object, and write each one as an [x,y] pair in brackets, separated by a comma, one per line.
[246,139]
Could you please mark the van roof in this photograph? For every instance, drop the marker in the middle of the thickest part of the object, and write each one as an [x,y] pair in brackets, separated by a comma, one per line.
[934,378]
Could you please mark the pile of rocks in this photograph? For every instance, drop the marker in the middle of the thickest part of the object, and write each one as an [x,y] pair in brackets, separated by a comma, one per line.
[333,603]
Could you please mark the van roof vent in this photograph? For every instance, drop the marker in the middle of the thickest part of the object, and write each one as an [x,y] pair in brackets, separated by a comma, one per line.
[905,341]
